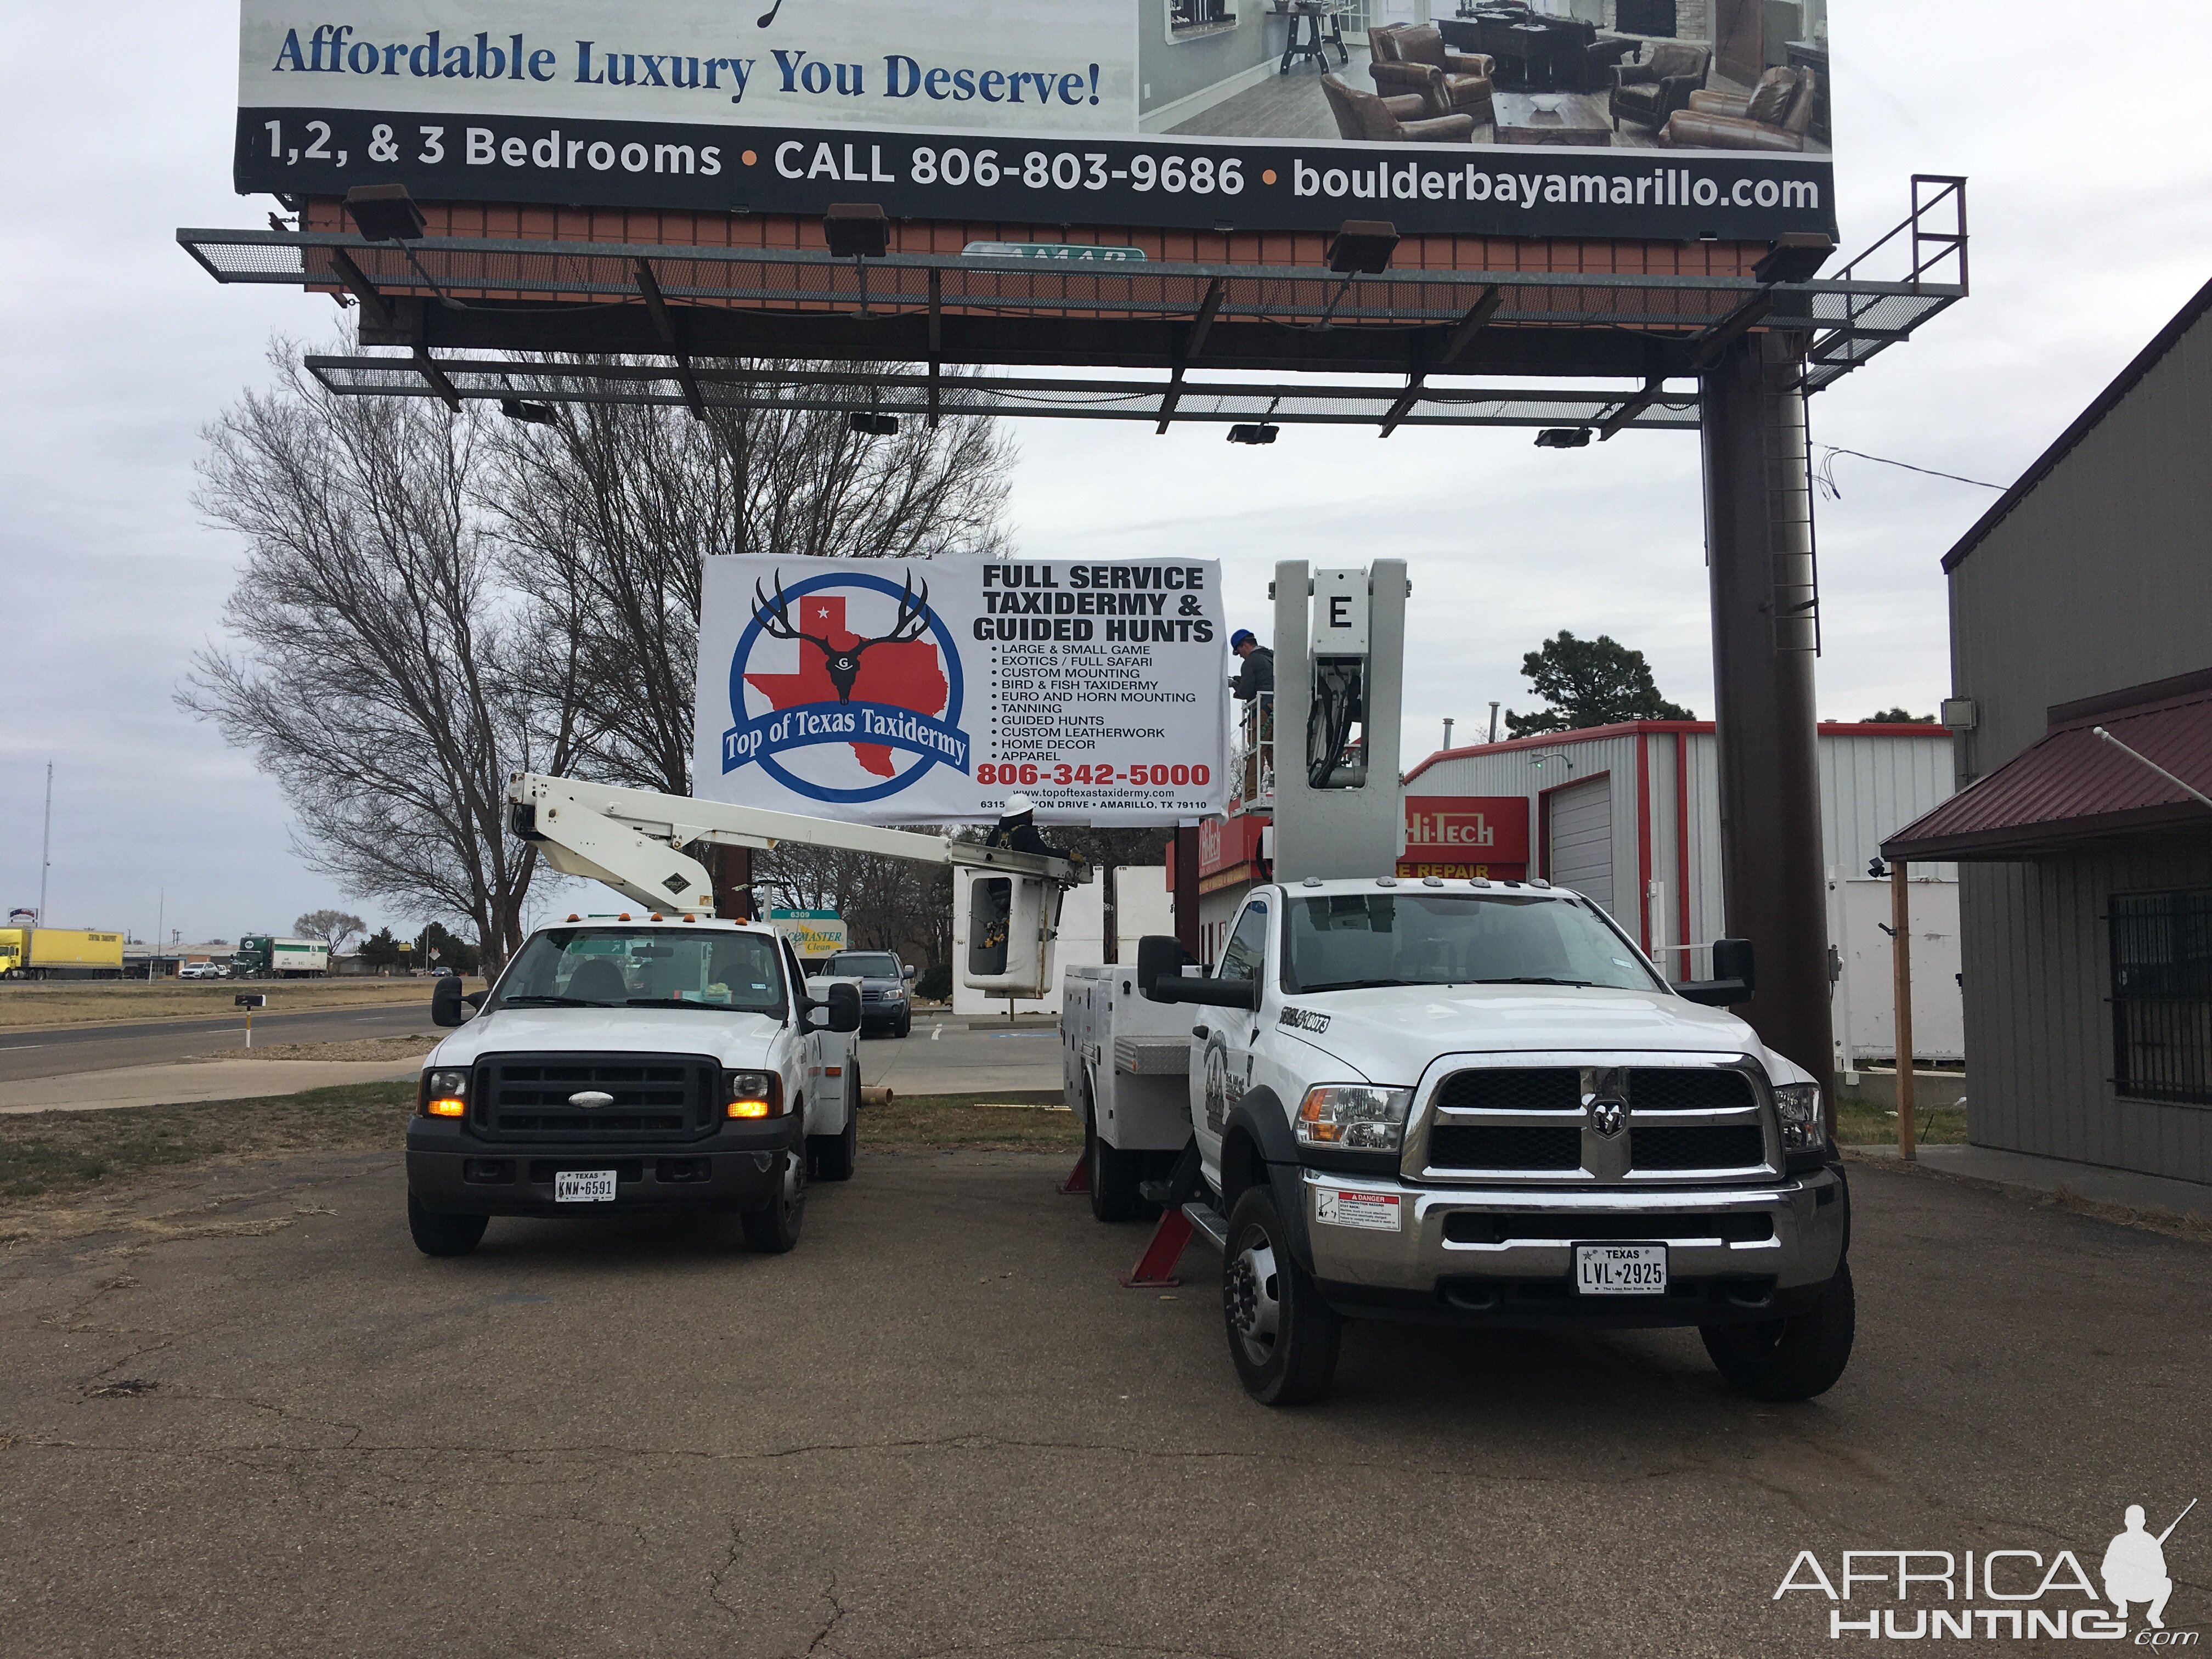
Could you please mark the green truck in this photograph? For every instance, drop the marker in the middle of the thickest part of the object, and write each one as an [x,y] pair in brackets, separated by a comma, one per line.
[263,955]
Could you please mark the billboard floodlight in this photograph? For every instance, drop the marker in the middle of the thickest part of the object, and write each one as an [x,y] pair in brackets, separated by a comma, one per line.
[872,426]
[529,414]
[385,213]
[1262,434]
[857,230]
[1796,256]
[1564,437]
[1363,246]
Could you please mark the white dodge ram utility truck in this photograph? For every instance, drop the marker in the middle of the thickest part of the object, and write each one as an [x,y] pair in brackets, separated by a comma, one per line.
[1474,1103]
[630,1063]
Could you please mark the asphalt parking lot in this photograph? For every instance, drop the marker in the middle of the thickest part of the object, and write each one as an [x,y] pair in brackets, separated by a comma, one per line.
[253,1421]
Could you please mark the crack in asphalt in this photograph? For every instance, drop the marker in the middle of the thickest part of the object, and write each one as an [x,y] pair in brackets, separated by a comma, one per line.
[1304,1460]
[836,1614]
[729,1566]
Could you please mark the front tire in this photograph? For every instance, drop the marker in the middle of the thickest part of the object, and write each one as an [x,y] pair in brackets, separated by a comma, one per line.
[444,1235]
[905,1027]
[1282,1336]
[1792,1358]
[774,1230]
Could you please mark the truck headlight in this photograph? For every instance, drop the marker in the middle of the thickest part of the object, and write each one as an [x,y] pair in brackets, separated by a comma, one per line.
[1798,1105]
[750,1094]
[446,1093]
[1353,1117]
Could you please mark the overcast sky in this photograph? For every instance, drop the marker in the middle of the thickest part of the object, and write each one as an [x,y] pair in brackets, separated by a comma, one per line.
[2090,229]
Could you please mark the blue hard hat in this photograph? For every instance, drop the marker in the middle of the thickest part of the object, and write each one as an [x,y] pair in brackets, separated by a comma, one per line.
[1240,636]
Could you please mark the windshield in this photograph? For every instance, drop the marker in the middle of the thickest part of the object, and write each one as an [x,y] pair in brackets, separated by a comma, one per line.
[864,964]
[622,967]
[1355,940]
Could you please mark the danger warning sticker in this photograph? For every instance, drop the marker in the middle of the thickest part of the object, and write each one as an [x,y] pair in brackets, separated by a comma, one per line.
[1377,1212]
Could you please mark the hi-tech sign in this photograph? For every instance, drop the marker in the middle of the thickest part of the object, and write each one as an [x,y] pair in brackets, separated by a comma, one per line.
[1033,113]
[1466,835]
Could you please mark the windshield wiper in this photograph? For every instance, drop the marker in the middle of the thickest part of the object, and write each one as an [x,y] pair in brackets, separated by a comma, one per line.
[683,1002]
[1358,984]
[1536,979]
[548,1002]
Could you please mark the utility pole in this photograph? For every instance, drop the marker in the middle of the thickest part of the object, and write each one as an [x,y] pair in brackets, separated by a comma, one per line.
[161,938]
[47,846]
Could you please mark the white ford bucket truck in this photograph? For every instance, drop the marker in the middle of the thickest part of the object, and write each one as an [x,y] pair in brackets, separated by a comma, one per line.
[658,1058]
[1476,1102]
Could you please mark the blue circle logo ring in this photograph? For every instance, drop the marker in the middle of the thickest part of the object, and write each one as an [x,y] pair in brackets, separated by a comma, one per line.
[954,679]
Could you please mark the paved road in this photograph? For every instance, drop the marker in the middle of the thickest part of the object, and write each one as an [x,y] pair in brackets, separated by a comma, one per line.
[944,1056]
[272,1428]
[100,1047]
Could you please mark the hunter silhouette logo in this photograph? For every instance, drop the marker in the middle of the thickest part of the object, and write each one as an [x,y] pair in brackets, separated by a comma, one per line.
[859,716]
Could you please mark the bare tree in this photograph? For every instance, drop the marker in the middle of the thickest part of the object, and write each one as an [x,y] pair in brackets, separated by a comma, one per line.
[333,927]
[609,513]
[379,676]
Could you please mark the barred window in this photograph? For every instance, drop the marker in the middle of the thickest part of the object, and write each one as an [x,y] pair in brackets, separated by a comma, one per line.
[2163,995]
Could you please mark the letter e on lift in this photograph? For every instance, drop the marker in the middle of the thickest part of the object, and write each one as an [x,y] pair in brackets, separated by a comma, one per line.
[1339,613]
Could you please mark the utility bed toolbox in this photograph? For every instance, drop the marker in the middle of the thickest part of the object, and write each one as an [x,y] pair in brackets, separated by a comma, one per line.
[1125,1059]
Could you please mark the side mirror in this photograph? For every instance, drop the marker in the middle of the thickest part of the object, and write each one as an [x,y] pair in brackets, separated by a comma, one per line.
[842,1002]
[446,1003]
[1160,962]
[1159,957]
[476,998]
[907,972]
[1734,978]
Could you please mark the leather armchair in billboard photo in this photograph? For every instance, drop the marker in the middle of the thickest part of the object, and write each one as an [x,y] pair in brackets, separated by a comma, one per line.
[1401,119]
[1774,117]
[1411,59]
[1647,93]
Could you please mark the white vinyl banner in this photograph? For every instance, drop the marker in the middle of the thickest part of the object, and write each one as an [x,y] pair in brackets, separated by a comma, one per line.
[931,690]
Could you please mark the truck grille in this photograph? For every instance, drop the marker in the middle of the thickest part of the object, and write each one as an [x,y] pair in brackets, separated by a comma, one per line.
[526,1096]
[1666,1088]
[1505,1146]
[1525,1089]
[1698,1147]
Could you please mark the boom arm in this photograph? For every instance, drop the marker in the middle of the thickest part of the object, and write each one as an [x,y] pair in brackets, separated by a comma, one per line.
[632,840]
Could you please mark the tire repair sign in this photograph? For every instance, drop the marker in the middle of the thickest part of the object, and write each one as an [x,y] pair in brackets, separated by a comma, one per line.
[929,691]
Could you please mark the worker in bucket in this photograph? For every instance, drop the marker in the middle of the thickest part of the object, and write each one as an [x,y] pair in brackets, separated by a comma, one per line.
[2135,1568]
[1256,671]
[1017,831]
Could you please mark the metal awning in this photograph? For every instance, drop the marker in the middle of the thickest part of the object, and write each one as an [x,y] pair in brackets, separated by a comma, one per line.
[2073,785]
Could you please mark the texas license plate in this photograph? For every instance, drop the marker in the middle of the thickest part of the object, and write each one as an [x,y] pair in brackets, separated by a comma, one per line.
[1620,1269]
[584,1187]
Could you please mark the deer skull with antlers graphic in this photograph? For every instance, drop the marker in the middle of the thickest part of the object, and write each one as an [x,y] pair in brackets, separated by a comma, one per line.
[774,615]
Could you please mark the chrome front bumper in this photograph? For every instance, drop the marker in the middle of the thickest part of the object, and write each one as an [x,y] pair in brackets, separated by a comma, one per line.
[1484,1265]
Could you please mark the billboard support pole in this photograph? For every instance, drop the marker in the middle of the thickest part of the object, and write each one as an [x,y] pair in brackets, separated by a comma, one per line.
[734,877]
[1765,634]
[1186,888]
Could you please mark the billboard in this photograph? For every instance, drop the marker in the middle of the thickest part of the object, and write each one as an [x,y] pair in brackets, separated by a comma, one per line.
[929,691]
[1209,114]
[812,932]
[1466,835]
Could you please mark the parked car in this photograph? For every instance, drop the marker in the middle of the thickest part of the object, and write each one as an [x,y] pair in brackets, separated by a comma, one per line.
[199,970]
[886,988]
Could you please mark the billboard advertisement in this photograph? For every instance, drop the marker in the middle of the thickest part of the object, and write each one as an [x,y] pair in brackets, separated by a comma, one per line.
[930,691]
[1466,835]
[1516,119]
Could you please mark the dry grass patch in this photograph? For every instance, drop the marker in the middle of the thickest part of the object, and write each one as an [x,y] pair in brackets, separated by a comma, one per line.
[359,1049]
[1861,1124]
[48,1154]
[36,1005]
[991,1122]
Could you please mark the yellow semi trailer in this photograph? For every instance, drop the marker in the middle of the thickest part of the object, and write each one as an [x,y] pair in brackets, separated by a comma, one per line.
[60,953]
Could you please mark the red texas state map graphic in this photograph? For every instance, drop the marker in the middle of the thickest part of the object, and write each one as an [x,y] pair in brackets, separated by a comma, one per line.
[904,675]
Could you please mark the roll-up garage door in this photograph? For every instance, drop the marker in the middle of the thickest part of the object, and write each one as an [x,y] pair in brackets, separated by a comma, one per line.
[1581,845]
